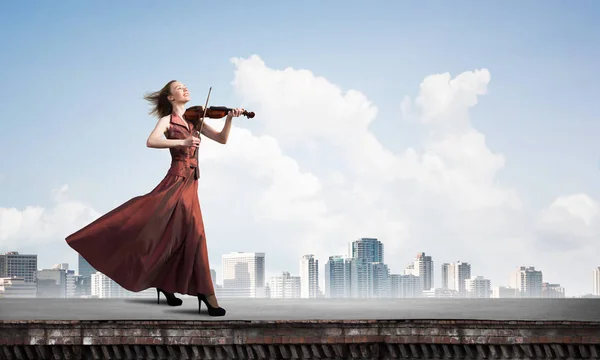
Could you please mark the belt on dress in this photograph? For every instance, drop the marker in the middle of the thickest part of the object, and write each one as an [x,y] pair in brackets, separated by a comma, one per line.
[192,162]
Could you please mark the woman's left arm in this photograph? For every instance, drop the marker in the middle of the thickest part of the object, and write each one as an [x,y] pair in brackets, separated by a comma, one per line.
[222,136]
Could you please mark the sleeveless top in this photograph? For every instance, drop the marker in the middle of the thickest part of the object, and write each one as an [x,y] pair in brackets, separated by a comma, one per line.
[184,160]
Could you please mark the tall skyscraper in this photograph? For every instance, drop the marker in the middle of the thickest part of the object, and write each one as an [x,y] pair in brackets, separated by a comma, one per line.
[369,249]
[244,274]
[361,278]
[83,267]
[478,287]
[337,277]
[423,268]
[446,276]
[83,281]
[528,282]
[309,276]
[454,276]
[365,252]
[382,282]
[405,286]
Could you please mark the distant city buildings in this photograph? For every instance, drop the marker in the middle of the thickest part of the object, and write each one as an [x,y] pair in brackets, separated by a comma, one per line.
[243,275]
[361,273]
[476,287]
[528,282]
[337,277]
[23,266]
[285,286]
[309,276]
[423,268]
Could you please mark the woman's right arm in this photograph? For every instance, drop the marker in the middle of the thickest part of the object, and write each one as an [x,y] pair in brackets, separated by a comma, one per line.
[157,140]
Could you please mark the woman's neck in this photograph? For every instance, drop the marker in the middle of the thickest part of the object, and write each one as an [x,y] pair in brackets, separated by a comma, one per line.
[179,109]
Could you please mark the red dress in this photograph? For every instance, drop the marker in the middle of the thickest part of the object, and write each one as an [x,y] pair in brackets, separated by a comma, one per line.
[156,239]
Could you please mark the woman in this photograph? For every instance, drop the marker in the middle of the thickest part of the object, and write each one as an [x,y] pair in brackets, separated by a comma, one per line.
[158,240]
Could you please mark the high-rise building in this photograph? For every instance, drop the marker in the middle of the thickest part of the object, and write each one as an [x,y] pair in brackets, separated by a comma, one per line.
[70,283]
[104,287]
[83,286]
[382,286]
[369,249]
[83,282]
[361,278]
[69,277]
[528,282]
[52,283]
[337,277]
[477,287]
[423,268]
[309,276]
[446,276]
[596,284]
[285,286]
[363,253]
[405,286]
[19,265]
[243,274]
[454,276]
[83,267]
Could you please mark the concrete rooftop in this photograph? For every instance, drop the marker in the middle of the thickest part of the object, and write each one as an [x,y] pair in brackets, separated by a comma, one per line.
[322,309]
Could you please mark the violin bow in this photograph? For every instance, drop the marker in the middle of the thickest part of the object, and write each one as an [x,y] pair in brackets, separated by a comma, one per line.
[202,120]
[205,108]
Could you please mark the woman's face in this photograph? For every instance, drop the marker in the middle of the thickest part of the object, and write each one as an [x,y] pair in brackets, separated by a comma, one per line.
[179,93]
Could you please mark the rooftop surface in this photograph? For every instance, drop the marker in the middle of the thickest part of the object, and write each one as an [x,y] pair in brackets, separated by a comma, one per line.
[309,309]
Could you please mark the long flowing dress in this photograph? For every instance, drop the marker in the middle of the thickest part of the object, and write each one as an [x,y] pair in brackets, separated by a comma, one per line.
[156,239]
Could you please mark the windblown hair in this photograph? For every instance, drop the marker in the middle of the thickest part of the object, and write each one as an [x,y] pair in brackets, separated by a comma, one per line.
[161,106]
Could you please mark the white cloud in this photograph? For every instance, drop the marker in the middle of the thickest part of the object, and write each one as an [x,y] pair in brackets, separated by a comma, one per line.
[35,225]
[314,177]
[443,99]
[571,221]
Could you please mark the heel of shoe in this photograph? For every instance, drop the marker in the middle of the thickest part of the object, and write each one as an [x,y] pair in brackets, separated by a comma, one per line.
[212,311]
[172,300]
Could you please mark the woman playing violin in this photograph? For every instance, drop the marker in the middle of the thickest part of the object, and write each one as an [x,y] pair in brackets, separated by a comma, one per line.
[157,240]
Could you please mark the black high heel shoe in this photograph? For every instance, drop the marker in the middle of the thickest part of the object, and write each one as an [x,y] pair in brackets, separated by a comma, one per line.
[212,311]
[172,300]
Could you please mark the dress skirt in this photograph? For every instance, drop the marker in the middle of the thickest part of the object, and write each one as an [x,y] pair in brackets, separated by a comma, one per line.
[153,240]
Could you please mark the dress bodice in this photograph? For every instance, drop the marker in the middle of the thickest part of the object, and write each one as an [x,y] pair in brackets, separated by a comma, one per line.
[183,158]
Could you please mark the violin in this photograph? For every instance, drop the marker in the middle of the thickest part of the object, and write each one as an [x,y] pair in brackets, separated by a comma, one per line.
[195,113]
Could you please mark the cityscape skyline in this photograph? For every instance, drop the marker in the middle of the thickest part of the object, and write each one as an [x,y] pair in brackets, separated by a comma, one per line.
[362,272]
[47,264]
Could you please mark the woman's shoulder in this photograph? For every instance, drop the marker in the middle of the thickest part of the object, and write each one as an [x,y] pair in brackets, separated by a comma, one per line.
[165,120]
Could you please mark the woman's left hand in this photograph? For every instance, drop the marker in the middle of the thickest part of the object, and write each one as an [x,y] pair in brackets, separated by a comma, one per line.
[235,112]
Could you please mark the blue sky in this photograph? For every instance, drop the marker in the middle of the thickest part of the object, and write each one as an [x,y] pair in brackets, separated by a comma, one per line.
[74,74]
